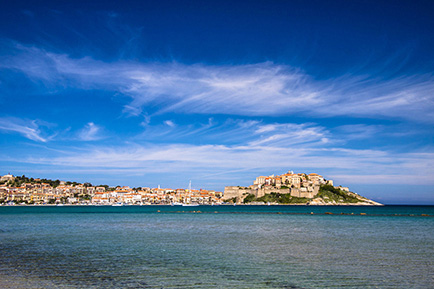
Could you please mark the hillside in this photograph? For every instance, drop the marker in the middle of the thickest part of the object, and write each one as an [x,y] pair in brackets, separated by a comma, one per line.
[327,195]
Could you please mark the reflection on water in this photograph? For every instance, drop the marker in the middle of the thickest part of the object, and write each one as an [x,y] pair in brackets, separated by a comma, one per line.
[237,247]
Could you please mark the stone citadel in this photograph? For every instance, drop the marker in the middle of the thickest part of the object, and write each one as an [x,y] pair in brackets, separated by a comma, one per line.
[297,185]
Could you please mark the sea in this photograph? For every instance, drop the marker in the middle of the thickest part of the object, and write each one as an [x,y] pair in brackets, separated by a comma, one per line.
[216,247]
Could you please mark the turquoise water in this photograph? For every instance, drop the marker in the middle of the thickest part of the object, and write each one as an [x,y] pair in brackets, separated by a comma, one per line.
[218,247]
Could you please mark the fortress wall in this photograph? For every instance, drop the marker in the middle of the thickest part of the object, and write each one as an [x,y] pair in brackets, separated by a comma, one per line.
[231,192]
[308,195]
[235,192]
[267,190]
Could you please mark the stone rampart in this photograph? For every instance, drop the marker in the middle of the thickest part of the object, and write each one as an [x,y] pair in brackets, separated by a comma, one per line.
[268,190]
[235,192]
[239,193]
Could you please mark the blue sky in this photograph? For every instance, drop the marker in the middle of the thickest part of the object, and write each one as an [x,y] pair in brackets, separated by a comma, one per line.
[218,92]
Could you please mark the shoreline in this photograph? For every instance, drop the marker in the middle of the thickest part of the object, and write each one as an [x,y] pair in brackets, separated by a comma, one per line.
[169,205]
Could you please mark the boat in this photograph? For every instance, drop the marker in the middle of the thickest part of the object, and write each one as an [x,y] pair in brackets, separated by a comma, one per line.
[117,204]
[190,205]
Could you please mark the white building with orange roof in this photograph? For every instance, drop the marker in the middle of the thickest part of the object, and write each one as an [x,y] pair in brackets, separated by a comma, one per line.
[101,198]
[90,190]
[269,181]
[131,198]
[316,179]
[260,180]
[286,178]
[278,181]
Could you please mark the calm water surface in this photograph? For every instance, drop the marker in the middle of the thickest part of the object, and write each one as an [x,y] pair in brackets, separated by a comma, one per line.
[218,247]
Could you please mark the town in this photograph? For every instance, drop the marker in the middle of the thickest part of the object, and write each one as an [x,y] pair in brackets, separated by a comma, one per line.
[287,188]
[23,190]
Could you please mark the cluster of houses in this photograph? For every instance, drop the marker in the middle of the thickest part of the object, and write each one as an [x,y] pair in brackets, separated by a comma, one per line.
[150,196]
[43,193]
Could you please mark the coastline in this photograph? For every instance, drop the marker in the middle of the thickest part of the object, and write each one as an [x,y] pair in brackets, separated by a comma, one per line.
[288,189]
[156,205]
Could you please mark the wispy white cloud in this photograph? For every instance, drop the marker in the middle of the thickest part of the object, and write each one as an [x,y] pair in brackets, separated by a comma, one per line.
[358,131]
[238,131]
[90,132]
[234,144]
[262,89]
[406,168]
[253,146]
[290,134]
[170,123]
[242,146]
[28,128]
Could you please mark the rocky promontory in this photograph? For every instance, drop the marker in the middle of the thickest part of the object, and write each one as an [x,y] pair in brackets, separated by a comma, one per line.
[296,189]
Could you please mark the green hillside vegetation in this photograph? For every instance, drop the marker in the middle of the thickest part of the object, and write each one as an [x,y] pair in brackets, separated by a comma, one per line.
[276,198]
[250,198]
[328,192]
[20,180]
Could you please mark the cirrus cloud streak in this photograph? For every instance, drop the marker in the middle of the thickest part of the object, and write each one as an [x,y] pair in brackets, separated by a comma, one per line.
[261,89]
[385,167]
